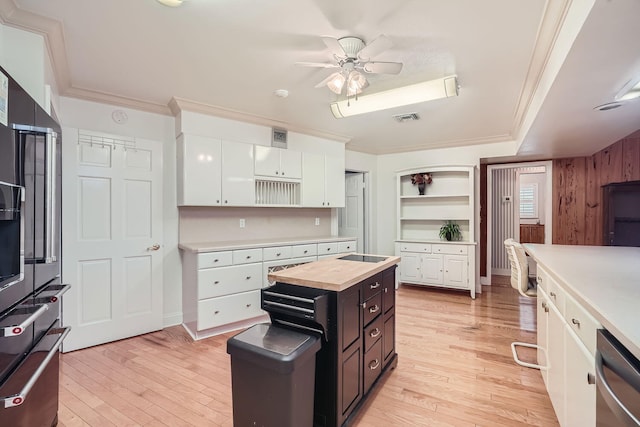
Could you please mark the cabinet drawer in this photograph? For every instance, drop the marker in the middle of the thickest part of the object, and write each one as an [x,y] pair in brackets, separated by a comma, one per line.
[556,295]
[276,252]
[219,311]
[349,246]
[304,250]
[372,286]
[415,247]
[449,249]
[541,279]
[582,323]
[372,308]
[373,333]
[246,256]
[214,259]
[372,365]
[215,282]
[327,248]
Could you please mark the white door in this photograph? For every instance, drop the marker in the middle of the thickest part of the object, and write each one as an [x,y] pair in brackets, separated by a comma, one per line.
[351,218]
[112,244]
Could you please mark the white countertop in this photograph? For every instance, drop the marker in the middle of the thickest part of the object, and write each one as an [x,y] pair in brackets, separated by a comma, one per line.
[247,244]
[604,279]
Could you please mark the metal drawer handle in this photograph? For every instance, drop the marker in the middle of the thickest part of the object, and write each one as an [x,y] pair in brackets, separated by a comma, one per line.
[386,290]
[375,286]
[553,294]
[374,364]
[374,309]
[546,307]
[575,322]
[375,333]
[15,330]
[19,398]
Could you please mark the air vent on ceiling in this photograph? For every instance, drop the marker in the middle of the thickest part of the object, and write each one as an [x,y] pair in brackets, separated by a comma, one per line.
[400,118]
[608,106]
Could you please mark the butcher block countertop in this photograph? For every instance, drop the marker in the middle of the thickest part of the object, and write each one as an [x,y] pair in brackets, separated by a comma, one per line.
[333,274]
[605,280]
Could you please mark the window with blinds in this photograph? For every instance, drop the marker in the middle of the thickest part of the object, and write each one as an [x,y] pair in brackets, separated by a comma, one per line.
[529,200]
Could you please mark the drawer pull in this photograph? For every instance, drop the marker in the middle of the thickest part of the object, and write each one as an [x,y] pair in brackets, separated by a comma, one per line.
[386,290]
[215,260]
[546,307]
[305,252]
[278,254]
[374,364]
[248,277]
[375,333]
[248,256]
[375,286]
[216,282]
[328,249]
[216,312]
[575,322]
[374,309]
[591,379]
[248,305]
[553,294]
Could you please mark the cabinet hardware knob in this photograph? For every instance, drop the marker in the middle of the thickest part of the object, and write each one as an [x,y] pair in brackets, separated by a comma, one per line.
[591,379]
[546,307]
[248,305]
[216,282]
[364,305]
[305,252]
[374,309]
[553,294]
[226,201]
[248,256]
[248,277]
[386,290]
[282,173]
[374,364]
[328,203]
[375,333]
[375,285]
[216,312]
[276,172]
[575,322]
[278,254]
[217,201]
[215,260]
[328,249]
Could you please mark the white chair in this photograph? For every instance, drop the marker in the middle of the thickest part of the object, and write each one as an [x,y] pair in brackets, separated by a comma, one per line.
[521,281]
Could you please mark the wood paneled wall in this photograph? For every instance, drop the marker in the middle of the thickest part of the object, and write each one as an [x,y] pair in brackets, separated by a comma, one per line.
[577,192]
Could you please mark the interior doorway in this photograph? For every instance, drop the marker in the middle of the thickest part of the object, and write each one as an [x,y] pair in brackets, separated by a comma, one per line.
[353,219]
[505,217]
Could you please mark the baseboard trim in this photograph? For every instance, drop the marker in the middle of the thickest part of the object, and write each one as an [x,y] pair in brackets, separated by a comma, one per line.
[172,319]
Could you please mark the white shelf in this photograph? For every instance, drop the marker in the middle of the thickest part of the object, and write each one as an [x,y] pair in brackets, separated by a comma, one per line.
[433,196]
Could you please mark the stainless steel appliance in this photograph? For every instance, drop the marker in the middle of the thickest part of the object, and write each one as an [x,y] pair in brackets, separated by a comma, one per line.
[30,287]
[618,384]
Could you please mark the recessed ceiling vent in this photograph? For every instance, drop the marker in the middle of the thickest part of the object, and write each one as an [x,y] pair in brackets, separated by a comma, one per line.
[407,117]
[608,106]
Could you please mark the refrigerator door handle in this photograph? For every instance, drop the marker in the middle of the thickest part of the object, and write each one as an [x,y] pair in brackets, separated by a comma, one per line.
[50,200]
[15,330]
[19,398]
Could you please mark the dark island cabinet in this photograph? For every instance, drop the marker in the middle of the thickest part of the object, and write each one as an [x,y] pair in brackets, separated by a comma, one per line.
[366,329]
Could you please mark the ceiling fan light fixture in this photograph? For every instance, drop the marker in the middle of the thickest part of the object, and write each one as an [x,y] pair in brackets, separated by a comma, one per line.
[631,90]
[355,83]
[171,3]
[337,83]
[413,94]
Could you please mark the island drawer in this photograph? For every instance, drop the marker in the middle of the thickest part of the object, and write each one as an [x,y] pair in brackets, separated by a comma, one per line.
[215,259]
[582,323]
[372,308]
[556,294]
[276,252]
[214,282]
[246,256]
[373,333]
[372,365]
[372,286]
[220,311]
[304,250]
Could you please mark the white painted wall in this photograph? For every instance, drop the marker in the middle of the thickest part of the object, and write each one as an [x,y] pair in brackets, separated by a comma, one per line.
[93,116]
[23,55]
[389,164]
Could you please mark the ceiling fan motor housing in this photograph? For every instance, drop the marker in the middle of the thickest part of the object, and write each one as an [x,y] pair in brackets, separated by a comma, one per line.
[351,46]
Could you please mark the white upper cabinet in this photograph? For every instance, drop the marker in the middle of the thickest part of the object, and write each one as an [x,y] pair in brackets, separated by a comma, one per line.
[214,173]
[277,162]
[322,181]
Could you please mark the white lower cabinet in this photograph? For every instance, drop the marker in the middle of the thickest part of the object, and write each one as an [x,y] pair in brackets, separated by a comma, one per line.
[214,312]
[444,265]
[567,333]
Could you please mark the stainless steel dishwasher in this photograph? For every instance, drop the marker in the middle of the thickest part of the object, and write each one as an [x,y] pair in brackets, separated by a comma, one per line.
[618,384]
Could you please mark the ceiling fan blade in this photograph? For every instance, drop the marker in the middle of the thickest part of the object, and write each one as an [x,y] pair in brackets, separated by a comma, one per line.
[377,46]
[382,67]
[317,64]
[334,46]
[325,81]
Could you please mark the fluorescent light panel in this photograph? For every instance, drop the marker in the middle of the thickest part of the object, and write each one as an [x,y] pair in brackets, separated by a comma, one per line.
[407,95]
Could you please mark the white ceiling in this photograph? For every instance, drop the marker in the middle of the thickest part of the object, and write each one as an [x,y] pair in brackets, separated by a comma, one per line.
[530,71]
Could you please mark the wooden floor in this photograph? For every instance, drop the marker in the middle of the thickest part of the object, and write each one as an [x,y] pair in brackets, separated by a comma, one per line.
[455,369]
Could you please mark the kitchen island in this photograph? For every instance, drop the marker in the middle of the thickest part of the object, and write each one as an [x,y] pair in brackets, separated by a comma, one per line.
[351,303]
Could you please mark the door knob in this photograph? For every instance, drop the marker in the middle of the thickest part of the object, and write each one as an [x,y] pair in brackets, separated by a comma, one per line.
[154,247]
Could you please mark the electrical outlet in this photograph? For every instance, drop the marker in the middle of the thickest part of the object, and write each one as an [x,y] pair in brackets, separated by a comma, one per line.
[242,223]
[317,221]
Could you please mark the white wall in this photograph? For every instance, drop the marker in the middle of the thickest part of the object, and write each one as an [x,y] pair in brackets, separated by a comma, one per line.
[94,116]
[389,164]
[22,54]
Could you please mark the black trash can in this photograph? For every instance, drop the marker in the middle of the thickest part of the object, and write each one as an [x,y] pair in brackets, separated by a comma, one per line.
[273,377]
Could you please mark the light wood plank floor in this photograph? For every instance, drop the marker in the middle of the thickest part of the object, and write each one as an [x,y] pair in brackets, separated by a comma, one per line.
[455,369]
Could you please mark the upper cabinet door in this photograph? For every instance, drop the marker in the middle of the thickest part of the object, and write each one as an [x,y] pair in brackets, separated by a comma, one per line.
[267,161]
[199,163]
[334,182]
[290,164]
[238,185]
[313,182]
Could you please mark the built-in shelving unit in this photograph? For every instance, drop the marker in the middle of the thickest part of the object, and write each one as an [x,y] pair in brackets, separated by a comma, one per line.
[425,258]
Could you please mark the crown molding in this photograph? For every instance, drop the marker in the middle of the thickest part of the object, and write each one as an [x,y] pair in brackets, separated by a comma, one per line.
[121,101]
[177,105]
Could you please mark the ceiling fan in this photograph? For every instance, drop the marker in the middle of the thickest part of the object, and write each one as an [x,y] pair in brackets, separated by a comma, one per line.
[353,57]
